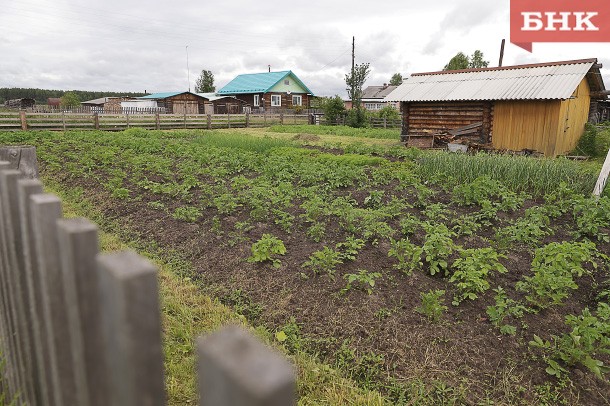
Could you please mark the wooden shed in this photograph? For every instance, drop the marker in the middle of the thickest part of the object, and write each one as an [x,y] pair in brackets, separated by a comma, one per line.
[541,107]
[23,103]
[179,102]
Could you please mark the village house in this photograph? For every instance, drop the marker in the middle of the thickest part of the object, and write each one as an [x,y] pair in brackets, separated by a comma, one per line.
[105,104]
[373,97]
[540,107]
[269,90]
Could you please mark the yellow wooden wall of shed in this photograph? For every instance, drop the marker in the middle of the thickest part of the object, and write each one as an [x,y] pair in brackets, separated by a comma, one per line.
[552,127]
[573,115]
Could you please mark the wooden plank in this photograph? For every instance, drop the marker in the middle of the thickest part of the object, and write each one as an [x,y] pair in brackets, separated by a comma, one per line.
[235,369]
[46,211]
[17,282]
[132,329]
[603,177]
[78,246]
[41,362]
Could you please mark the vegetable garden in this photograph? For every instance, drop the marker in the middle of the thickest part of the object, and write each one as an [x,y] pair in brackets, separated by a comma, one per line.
[430,277]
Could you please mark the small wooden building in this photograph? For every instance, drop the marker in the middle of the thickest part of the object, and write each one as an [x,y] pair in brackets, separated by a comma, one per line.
[23,103]
[541,107]
[223,104]
[179,102]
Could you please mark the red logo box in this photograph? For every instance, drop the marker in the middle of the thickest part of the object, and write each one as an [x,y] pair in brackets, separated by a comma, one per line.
[558,21]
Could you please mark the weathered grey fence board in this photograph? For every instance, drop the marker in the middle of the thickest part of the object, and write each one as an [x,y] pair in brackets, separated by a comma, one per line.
[78,246]
[46,211]
[11,345]
[132,328]
[22,158]
[16,277]
[235,369]
[41,362]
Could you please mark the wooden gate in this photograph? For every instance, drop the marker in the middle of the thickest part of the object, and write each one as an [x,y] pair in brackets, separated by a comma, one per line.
[186,107]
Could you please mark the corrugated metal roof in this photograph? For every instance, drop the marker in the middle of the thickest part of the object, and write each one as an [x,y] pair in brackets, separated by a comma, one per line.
[377,92]
[556,80]
[258,82]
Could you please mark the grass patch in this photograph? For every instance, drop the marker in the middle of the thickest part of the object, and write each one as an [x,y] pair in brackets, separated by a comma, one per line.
[339,130]
[534,175]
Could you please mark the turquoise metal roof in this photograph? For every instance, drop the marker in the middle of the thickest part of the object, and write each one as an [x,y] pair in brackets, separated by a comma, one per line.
[161,95]
[258,82]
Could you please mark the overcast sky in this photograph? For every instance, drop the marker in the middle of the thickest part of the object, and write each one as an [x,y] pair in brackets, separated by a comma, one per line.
[138,45]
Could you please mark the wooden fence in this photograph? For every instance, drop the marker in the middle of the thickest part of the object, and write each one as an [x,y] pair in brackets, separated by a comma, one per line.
[372,122]
[24,120]
[82,328]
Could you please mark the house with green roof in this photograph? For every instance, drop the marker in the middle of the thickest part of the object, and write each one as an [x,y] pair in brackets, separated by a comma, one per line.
[269,90]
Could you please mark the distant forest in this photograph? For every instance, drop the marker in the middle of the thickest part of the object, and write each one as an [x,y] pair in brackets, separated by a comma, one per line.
[41,95]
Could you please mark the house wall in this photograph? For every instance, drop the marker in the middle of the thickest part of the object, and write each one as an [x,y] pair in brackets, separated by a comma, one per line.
[422,118]
[552,127]
[526,124]
[573,115]
[265,100]
[293,86]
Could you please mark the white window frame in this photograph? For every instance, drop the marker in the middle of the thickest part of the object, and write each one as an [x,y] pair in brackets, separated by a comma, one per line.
[299,98]
[287,82]
[276,100]
[257,100]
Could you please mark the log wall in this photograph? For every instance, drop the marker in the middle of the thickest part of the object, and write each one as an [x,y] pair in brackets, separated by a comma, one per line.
[426,118]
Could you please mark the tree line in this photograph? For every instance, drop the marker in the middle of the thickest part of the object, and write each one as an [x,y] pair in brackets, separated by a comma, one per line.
[41,95]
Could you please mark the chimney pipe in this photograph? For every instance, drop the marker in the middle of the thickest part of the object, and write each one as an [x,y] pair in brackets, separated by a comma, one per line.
[501,53]
[269,68]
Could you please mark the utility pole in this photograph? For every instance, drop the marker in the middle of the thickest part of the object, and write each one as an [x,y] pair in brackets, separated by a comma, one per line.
[188,72]
[353,61]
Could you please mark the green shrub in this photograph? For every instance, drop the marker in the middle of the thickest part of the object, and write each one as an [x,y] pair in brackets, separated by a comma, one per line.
[189,214]
[432,305]
[266,249]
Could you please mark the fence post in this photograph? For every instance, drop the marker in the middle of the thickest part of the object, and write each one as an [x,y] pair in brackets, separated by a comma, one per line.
[42,363]
[96,121]
[185,118]
[603,177]
[63,120]
[127,119]
[385,122]
[157,121]
[46,210]
[282,118]
[24,123]
[228,119]
[247,120]
[209,121]
[17,281]
[132,329]
[236,369]
[78,246]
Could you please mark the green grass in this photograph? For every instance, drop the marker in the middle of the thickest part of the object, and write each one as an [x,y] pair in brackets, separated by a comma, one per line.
[339,130]
[187,313]
[534,175]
